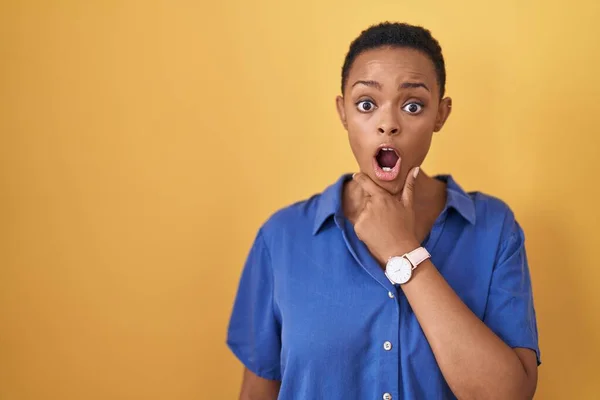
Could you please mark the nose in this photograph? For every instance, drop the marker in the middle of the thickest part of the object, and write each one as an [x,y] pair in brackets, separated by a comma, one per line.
[391,131]
[389,123]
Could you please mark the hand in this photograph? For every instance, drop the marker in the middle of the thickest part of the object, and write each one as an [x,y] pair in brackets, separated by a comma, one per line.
[387,224]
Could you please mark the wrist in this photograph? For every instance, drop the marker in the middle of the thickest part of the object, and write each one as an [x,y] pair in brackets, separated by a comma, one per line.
[400,249]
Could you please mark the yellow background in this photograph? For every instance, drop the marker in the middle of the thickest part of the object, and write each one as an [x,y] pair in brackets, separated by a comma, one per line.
[143,143]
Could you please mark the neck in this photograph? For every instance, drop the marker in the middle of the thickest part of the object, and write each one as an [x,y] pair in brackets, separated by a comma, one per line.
[429,193]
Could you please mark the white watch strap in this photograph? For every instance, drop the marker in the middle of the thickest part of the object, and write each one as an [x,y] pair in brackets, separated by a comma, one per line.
[417,256]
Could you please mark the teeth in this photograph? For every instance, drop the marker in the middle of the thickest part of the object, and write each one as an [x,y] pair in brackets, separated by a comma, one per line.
[386,169]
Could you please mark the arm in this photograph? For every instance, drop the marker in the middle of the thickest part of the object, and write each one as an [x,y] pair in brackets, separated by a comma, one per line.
[254,331]
[256,388]
[476,363]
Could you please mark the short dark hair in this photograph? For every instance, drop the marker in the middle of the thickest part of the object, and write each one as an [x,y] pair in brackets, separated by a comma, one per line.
[395,34]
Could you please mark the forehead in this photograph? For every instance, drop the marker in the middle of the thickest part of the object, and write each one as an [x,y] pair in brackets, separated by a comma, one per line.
[393,65]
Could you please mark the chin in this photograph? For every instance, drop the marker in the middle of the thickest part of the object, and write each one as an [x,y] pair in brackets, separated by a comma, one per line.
[393,187]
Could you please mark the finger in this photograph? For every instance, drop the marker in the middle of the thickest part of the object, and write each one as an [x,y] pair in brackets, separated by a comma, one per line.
[409,186]
[367,184]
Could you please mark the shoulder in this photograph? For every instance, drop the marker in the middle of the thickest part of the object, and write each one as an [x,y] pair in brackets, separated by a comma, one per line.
[494,214]
[489,206]
[299,213]
[302,218]
[291,222]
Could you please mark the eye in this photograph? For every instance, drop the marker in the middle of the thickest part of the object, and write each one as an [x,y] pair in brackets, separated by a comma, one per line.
[413,108]
[365,106]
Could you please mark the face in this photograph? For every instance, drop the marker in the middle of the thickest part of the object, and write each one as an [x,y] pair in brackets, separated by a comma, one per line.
[390,108]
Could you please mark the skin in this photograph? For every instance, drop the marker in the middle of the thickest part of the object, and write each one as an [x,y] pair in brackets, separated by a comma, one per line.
[393,218]
[392,120]
[256,388]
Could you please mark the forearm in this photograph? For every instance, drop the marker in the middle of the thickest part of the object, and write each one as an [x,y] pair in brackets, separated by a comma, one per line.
[257,388]
[475,362]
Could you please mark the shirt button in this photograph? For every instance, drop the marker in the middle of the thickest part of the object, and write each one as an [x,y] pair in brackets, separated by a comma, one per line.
[391,295]
[387,396]
[387,346]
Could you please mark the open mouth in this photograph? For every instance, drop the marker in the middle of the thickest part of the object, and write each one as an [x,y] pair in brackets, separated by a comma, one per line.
[387,158]
[386,163]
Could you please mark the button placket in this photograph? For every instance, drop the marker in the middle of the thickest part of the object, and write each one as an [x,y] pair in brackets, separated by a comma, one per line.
[387,345]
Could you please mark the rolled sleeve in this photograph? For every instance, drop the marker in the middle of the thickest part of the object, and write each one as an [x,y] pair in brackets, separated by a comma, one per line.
[254,331]
[510,311]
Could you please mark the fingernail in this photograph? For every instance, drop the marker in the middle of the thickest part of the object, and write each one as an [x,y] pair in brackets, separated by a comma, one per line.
[353,175]
[416,172]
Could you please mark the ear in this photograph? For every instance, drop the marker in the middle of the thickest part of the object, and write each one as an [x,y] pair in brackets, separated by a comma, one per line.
[444,111]
[339,103]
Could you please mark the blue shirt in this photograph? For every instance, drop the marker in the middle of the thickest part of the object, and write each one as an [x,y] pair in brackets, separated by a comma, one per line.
[315,310]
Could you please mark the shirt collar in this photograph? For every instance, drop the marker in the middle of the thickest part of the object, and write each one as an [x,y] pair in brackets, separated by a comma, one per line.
[458,199]
[330,201]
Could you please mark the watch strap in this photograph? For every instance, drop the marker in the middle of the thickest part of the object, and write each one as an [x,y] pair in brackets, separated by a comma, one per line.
[417,256]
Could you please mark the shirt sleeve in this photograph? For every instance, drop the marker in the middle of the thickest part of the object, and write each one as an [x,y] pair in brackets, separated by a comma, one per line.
[510,311]
[254,333]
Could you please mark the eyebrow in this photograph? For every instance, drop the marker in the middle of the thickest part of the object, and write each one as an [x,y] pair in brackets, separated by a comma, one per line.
[408,85]
[405,85]
[374,84]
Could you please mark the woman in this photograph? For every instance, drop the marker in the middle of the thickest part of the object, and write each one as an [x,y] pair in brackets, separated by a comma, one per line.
[390,284]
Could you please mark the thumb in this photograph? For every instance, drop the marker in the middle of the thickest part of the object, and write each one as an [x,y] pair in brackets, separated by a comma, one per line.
[409,186]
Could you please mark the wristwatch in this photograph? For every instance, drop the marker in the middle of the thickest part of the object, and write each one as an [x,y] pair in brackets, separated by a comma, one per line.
[399,268]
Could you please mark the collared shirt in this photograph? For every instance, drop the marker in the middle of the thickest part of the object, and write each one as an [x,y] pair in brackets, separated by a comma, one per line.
[315,310]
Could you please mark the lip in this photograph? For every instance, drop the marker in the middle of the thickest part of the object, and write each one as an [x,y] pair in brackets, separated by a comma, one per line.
[386,175]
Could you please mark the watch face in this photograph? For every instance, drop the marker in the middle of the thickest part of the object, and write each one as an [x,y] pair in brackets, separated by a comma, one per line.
[399,270]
